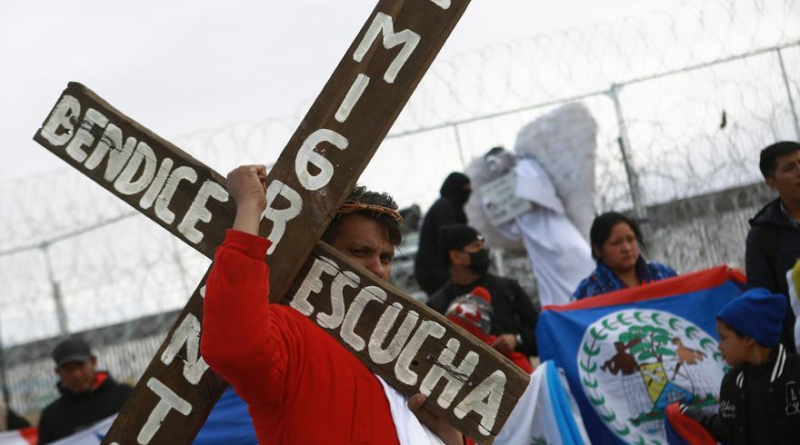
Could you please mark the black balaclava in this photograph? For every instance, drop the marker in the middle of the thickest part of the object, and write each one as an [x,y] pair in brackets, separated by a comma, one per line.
[455,188]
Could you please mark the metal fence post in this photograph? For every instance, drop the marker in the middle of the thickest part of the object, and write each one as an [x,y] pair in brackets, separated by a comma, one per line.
[61,313]
[789,94]
[459,147]
[625,146]
[3,375]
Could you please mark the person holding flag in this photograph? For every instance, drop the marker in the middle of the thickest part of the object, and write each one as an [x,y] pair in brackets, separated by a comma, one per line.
[760,395]
[616,240]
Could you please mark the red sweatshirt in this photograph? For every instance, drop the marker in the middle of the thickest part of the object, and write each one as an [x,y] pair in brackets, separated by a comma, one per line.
[301,386]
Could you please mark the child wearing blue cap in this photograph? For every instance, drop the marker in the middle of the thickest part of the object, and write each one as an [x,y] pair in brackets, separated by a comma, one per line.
[760,395]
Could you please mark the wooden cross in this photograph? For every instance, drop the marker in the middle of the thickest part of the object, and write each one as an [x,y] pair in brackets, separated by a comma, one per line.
[410,346]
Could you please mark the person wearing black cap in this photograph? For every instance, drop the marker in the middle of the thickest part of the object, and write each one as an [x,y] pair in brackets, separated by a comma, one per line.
[514,319]
[430,268]
[759,400]
[87,395]
[773,243]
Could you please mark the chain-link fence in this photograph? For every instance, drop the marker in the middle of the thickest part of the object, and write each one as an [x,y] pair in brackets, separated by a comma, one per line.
[683,101]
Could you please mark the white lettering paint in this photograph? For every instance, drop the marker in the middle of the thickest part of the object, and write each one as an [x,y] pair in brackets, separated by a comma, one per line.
[348,332]
[84,138]
[307,155]
[377,353]
[280,217]
[158,183]
[312,283]
[162,203]
[169,401]
[198,211]
[383,24]
[492,390]
[118,153]
[58,129]
[142,156]
[445,369]
[334,319]
[187,333]
[352,98]
[402,368]
[444,4]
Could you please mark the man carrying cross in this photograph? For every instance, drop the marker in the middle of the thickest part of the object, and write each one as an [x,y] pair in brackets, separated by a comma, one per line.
[301,385]
[469,384]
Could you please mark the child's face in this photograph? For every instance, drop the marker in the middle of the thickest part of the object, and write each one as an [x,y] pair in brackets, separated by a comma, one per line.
[734,348]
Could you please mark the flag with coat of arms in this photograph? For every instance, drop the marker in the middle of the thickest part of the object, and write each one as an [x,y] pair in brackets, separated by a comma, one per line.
[628,354]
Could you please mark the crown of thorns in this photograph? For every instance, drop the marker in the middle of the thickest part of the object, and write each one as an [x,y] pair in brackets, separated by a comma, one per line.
[351,206]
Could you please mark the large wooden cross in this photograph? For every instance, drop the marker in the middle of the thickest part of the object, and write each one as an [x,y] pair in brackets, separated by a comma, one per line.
[413,348]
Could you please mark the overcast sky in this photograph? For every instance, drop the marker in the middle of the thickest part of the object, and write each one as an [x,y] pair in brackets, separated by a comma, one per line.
[182,66]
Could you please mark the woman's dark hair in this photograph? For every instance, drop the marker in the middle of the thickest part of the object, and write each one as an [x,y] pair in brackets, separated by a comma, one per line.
[365,196]
[604,224]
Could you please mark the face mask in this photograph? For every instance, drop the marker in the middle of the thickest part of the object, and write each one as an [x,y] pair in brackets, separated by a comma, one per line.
[479,261]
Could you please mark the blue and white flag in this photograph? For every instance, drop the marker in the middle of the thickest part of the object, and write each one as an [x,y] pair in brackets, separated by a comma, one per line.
[229,423]
[546,414]
[629,354]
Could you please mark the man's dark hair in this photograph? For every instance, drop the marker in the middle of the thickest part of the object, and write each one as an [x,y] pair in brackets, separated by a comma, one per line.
[362,195]
[770,155]
[604,224]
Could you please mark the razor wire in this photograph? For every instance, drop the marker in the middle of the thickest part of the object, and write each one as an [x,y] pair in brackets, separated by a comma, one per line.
[691,95]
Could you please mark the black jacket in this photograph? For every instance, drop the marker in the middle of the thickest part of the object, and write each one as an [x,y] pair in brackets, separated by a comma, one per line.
[761,403]
[14,421]
[513,310]
[72,412]
[773,247]
[430,264]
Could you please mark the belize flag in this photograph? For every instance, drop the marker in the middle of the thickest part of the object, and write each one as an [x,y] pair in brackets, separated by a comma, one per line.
[229,424]
[628,354]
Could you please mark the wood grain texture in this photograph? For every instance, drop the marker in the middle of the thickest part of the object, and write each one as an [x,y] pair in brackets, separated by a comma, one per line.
[186,190]
[376,320]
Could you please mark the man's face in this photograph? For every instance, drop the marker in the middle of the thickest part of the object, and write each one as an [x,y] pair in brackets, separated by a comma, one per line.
[366,241]
[462,256]
[77,377]
[734,348]
[786,180]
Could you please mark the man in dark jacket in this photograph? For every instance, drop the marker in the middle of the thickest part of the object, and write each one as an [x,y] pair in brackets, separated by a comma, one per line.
[773,244]
[430,266]
[514,319]
[759,399]
[87,395]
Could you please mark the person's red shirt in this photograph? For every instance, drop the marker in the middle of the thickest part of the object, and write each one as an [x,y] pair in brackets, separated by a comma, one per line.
[301,385]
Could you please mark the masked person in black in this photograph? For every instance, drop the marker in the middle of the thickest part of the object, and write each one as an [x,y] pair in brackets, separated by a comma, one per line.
[430,266]
[514,319]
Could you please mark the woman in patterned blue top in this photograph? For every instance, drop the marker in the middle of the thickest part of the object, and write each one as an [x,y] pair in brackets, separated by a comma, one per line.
[615,242]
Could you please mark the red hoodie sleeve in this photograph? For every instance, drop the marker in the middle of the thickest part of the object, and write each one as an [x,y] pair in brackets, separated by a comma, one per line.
[243,339]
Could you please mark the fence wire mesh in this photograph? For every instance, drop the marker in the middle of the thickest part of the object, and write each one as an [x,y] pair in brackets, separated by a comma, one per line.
[693,94]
